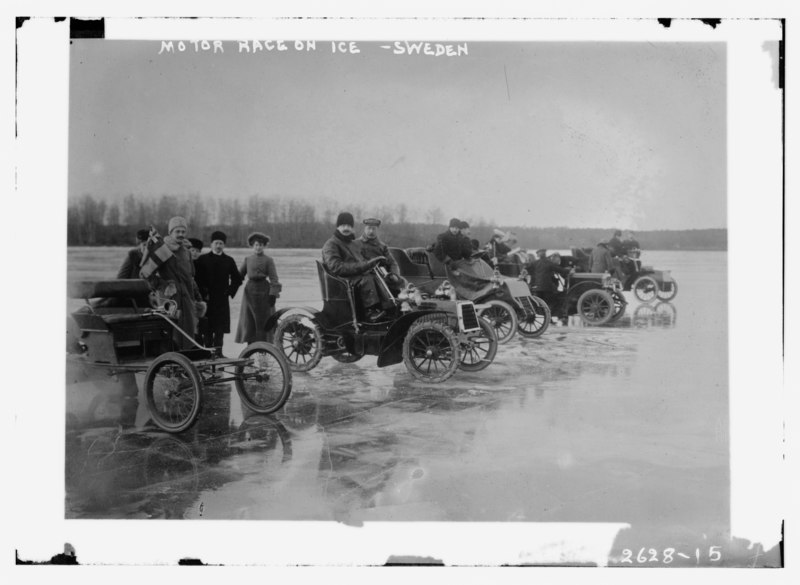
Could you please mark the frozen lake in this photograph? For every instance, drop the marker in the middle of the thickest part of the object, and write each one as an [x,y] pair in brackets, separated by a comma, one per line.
[615,424]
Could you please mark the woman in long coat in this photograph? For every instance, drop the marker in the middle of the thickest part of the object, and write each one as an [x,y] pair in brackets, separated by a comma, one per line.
[260,292]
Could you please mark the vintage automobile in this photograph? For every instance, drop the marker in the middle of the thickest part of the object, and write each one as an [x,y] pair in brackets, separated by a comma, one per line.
[595,297]
[432,337]
[123,329]
[507,303]
[646,283]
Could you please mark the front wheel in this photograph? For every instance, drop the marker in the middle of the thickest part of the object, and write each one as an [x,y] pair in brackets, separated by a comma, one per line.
[645,288]
[479,349]
[669,293]
[300,340]
[431,351]
[172,388]
[532,326]
[596,307]
[264,384]
[503,318]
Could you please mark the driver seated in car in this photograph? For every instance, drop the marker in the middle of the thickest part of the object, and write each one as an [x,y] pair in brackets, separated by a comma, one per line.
[342,257]
[373,247]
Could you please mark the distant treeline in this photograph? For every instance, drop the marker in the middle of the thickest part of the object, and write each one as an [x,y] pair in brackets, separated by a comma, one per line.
[297,224]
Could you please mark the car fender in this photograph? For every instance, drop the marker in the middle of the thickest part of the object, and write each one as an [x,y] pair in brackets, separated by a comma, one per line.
[309,312]
[580,288]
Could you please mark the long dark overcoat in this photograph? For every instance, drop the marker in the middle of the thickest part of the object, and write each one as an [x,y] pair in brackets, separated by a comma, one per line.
[218,279]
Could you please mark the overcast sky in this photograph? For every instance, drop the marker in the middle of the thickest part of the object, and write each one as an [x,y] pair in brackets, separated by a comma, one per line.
[588,134]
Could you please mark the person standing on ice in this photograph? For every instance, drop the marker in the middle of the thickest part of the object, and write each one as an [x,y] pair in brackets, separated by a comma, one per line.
[260,292]
[219,279]
[170,271]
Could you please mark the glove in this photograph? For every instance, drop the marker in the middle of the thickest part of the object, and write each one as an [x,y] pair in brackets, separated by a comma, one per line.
[272,299]
[375,261]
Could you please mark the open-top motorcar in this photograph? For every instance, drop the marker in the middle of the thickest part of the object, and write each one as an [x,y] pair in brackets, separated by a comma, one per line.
[646,283]
[432,337]
[595,297]
[123,328]
[506,302]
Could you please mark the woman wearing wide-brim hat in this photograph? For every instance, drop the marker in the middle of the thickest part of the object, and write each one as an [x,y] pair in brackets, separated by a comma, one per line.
[260,292]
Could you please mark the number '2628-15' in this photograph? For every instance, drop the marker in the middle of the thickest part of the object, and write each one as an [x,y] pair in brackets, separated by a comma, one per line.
[668,555]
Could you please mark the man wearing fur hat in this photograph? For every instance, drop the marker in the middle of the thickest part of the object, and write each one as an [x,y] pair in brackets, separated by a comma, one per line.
[342,256]
[219,279]
[175,279]
[450,245]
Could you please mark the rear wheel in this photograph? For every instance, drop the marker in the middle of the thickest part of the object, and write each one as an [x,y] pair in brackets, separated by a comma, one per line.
[479,349]
[431,351]
[669,294]
[503,318]
[596,307]
[264,385]
[172,388]
[532,326]
[300,340]
[645,288]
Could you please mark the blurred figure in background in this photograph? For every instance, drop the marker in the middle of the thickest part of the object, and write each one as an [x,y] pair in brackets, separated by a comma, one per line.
[130,266]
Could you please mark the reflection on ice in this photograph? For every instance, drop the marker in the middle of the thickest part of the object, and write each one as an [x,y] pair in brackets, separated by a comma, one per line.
[585,424]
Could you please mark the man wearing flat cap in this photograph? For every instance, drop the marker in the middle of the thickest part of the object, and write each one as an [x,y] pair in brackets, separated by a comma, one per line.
[450,245]
[373,247]
[133,259]
[219,279]
[342,256]
[176,276]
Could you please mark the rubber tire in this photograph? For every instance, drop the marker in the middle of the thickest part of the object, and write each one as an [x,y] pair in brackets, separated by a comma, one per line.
[441,329]
[541,305]
[280,329]
[602,296]
[668,296]
[650,283]
[286,372]
[620,304]
[193,376]
[501,308]
[488,358]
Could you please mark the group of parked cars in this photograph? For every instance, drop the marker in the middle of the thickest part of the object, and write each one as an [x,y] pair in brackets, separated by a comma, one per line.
[445,319]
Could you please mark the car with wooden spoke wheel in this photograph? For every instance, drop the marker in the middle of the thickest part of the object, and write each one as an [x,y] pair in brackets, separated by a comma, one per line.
[428,335]
[123,329]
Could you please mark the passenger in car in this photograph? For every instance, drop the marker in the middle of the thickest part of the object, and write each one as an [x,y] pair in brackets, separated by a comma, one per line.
[450,246]
[342,256]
